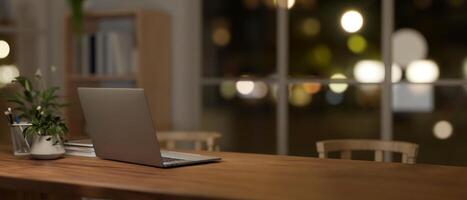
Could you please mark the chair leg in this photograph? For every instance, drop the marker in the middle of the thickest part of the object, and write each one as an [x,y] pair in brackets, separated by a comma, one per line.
[198,146]
[322,155]
[210,144]
[379,156]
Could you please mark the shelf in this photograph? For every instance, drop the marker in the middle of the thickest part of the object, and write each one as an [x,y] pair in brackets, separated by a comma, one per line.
[93,15]
[152,34]
[97,78]
[109,14]
[9,29]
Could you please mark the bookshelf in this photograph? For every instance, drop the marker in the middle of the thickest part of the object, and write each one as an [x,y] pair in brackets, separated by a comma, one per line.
[151,32]
[97,78]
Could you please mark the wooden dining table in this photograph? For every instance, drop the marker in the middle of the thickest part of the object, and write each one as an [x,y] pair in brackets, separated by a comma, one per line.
[237,176]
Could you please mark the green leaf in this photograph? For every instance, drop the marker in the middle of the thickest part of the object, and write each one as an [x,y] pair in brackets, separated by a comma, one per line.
[25,83]
[76,7]
[28,85]
[14,100]
[47,123]
[18,96]
[28,96]
[48,94]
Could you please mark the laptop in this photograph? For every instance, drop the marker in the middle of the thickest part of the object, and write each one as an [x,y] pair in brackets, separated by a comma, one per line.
[121,128]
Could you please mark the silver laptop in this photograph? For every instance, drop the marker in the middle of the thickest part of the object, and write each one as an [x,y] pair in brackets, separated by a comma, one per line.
[120,125]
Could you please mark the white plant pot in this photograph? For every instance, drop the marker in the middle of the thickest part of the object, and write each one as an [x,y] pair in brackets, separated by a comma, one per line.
[43,148]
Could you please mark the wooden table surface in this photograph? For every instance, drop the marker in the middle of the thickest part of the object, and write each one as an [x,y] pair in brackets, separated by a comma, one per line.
[238,176]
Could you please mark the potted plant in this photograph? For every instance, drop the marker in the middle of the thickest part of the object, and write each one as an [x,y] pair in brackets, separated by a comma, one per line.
[76,7]
[40,107]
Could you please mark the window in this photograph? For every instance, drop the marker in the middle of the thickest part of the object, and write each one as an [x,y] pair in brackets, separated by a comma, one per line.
[279,76]
[23,29]
[436,122]
[239,42]
[23,43]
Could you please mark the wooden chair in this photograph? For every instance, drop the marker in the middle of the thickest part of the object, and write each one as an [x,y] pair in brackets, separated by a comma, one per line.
[202,140]
[345,147]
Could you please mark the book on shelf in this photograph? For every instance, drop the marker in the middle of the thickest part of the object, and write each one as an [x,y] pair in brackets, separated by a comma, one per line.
[110,51]
[100,53]
[92,54]
[85,57]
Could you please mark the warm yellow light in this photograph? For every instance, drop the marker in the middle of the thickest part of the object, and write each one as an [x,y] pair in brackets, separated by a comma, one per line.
[260,90]
[284,3]
[227,89]
[338,87]
[352,21]
[221,36]
[299,97]
[369,71]
[372,71]
[252,89]
[311,26]
[311,88]
[4,49]
[442,130]
[356,43]
[8,73]
[245,87]
[422,71]
[290,3]
[321,55]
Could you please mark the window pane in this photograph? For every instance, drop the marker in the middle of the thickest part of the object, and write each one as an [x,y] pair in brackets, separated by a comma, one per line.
[8,71]
[245,115]
[433,30]
[328,37]
[8,58]
[7,48]
[239,38]
[320,113]
[439,127]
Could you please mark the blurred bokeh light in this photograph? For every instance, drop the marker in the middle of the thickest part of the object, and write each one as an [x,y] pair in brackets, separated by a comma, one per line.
[352,21]
[4,49]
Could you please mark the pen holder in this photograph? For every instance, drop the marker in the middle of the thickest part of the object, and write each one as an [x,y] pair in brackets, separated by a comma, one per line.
[19,143]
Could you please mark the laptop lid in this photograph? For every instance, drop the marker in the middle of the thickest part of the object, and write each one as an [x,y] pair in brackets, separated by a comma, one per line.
[120,125]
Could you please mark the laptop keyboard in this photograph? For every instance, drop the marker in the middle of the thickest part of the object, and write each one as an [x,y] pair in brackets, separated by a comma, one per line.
[167,159]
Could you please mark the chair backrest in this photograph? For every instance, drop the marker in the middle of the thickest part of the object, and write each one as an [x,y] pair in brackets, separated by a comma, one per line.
[202,140]
[345,147]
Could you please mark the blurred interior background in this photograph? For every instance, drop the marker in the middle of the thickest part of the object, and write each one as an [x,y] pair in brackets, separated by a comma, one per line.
[276,76]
